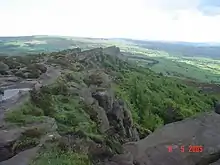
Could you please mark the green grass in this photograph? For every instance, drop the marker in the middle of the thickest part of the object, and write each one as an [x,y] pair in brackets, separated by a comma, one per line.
[54,156]
[184,70]
[25,114]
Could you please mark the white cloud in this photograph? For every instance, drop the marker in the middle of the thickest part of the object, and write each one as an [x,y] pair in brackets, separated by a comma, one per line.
[144,19]
[171,4]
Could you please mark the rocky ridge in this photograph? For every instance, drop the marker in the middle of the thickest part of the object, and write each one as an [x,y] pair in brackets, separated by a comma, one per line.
[117,140]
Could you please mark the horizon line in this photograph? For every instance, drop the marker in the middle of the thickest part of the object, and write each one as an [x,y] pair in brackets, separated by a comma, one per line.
[149,40]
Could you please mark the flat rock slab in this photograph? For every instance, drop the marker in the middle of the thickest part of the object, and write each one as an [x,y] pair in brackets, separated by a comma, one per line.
[203,130]
[9,135]
[23,158]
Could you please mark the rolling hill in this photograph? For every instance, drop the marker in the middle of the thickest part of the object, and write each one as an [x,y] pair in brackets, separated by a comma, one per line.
[196,61]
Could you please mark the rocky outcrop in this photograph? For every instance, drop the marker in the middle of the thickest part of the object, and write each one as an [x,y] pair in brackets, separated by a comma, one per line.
[112,50]
[7,139]
[71,51]
[84,55]
[202,132]
[23,158]
[18,143]
[117,112]
[103,107]
[91,51]
[3,68]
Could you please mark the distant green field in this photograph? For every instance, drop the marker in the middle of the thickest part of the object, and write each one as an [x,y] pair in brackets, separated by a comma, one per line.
[198,68]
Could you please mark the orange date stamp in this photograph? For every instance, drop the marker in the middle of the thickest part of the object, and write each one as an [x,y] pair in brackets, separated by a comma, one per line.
[190,148]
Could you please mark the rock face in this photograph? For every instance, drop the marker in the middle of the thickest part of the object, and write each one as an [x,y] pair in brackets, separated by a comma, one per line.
[112,114]
[112,50]
[203,130]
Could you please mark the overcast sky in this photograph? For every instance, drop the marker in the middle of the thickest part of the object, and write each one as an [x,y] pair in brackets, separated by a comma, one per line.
[172,20]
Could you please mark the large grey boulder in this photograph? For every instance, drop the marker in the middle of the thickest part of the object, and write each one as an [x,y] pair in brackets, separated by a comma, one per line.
[23,158]
[203,130]
[3,67]
[7,139]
